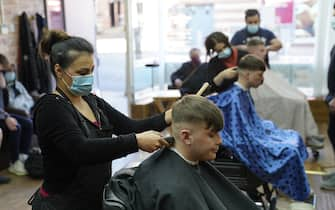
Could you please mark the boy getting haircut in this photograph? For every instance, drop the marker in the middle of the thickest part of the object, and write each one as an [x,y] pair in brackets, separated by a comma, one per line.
[180,178]
[274,154]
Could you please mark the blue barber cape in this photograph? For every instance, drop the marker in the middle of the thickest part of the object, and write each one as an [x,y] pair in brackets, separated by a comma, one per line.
[274,155]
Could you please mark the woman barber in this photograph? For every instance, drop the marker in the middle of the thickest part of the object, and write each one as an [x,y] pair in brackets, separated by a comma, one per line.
[77,130]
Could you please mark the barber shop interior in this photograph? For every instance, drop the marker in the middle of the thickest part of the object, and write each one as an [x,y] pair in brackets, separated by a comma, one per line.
[167,105]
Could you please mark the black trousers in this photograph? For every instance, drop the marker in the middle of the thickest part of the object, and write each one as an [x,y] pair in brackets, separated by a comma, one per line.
[331,129]
[20,139]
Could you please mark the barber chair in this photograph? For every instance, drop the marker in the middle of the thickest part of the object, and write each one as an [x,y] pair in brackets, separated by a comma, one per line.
[244,179]
[119,192]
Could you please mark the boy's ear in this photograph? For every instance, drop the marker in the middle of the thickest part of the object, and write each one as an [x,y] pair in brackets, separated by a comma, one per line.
[185,136]
[246,74]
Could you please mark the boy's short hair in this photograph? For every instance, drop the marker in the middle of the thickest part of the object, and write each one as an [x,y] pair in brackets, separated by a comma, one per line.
[252,63]
[255,43]
[196,109]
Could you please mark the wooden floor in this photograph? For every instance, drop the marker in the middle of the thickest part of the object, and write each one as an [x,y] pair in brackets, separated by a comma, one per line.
[325,200]
[14,196]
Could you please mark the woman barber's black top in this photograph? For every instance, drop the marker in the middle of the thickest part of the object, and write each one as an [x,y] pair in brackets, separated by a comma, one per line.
[77,152]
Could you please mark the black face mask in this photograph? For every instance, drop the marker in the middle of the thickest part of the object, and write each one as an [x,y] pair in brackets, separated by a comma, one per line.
[195,60]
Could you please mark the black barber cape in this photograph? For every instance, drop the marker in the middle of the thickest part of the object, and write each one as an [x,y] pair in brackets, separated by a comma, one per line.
[165,181]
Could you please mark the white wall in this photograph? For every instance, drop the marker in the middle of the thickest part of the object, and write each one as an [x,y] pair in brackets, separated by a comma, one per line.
[80,18]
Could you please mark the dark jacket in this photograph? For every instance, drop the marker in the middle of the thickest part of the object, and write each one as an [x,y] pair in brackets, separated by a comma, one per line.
[331,76]
[194,82]
[206,73]
[77,153]
[28,73]
[33,71]
[184,71]
[165,181]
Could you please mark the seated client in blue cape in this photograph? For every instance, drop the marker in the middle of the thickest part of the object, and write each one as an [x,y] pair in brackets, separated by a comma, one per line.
[274,155]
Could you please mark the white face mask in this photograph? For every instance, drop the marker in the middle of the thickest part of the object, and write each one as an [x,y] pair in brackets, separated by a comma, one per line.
[10,77]
[252,28]
[332,22]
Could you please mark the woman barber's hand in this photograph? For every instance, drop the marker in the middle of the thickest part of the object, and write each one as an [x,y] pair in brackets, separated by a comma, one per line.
[229,73]
[178,83]
[332,105]
[150,141]
[168,117]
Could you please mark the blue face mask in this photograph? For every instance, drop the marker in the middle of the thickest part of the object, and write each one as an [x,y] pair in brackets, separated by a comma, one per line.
[226,53]
[333,22]
[81,85]
[252,28]
[10,77]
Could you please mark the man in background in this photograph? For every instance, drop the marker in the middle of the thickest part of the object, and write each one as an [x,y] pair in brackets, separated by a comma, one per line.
[187,68]
[254,31]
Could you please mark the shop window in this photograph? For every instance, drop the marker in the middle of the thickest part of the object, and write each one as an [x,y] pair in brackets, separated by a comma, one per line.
[293,21]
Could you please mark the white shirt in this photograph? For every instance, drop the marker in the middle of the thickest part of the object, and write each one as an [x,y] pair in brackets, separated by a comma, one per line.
[193,163]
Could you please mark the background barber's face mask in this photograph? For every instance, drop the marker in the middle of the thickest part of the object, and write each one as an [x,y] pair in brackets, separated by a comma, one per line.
[226,53]
[10,77]
[252,28]
[333,22]
[81,85]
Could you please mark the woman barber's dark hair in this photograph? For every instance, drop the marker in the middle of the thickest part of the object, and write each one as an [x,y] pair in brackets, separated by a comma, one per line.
[63,49]
[251,63]
[251,13]
[214,38]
